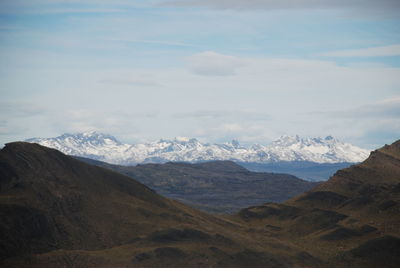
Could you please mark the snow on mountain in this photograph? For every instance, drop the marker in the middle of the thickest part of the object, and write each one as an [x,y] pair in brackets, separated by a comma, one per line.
[89,144]
[287,148]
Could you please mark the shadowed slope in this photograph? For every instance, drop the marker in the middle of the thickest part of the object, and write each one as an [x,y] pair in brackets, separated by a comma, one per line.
[56,201]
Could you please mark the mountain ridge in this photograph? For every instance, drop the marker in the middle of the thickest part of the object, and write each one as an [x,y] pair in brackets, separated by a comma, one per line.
[107,148]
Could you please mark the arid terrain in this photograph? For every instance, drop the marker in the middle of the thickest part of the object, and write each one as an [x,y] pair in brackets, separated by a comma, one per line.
[57,211]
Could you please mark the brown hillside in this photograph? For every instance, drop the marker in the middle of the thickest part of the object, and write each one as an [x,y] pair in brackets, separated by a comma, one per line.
[346,219]
[57,211]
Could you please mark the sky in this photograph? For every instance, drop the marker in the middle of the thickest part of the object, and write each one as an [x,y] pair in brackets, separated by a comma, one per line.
[215,70]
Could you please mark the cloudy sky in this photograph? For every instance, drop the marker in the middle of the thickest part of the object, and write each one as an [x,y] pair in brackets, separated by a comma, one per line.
[211,69]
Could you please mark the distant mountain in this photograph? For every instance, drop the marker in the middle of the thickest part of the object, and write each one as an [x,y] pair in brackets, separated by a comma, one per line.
[107,148]
[215,186]
[56,211]
[352,220]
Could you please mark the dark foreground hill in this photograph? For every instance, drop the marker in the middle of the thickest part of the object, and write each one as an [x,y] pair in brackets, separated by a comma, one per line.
[216,186]
[352,220]
[56,211]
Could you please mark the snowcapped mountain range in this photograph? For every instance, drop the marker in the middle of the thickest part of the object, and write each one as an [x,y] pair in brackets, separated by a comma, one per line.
[106,148]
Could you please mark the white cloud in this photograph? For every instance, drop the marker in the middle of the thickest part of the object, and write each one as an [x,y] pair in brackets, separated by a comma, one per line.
[280,76]
[265,98]
[75,10]
[363,6]
[226,114]
[168,43]
[214,64]
[232,127]
[395,99]
[383,51]
[386,109]
[68,6]
[15,109]
[369,125]
[140,82]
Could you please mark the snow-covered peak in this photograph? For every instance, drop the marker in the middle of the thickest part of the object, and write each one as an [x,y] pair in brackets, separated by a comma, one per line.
[88,144]
[287,148]
[297,141]
[321,150]
[91,138]
[179,139]
[286,140]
